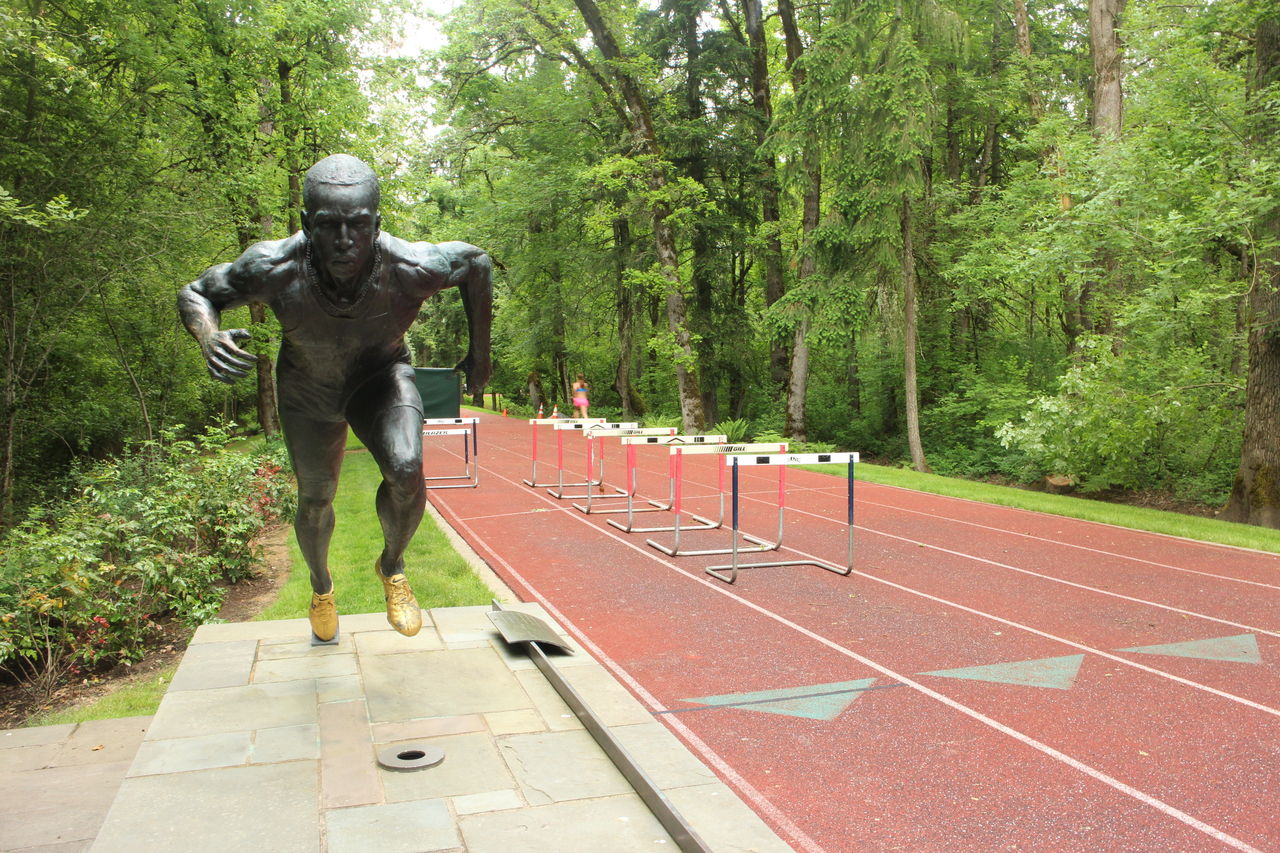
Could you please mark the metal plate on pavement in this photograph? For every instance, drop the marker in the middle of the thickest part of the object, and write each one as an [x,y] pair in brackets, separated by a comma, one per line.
[518,627]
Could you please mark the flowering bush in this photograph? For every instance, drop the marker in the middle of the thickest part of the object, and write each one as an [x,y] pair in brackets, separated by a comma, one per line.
[149,534]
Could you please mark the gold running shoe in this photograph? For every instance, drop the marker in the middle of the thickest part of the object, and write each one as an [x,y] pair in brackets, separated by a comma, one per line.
[324,616]
[402,607]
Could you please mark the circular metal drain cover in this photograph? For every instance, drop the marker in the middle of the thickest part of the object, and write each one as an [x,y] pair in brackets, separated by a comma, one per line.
[409,756]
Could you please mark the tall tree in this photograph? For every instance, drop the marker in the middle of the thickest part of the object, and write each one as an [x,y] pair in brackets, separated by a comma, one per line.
[811,211]
[1255,492]
[645,140]
[1107,116]
[770,194]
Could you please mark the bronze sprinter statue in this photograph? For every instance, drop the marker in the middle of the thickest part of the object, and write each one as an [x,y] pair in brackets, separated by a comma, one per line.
[345,293]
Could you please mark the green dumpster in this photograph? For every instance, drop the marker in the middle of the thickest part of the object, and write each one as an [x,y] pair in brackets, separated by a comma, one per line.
[441,391]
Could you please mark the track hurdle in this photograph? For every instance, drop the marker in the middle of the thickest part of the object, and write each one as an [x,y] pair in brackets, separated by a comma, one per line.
[677,473]
[595,439]
[631,443]
[561,428]
[534,423]
[470,450]
[782,461]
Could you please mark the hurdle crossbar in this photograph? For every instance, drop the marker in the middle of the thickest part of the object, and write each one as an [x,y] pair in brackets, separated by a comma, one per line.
[534,423]
[782,461]
[558,492]
[632,443]
[470,428]
[677,455]
[595,439]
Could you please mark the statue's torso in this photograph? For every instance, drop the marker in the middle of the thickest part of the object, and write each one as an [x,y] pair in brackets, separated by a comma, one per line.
[329,349]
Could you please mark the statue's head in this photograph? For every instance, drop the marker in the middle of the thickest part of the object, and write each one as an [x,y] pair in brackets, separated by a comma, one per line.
[340,216]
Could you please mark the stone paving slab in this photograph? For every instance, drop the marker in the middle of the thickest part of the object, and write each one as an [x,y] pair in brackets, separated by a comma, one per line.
[57,782]
[265,742]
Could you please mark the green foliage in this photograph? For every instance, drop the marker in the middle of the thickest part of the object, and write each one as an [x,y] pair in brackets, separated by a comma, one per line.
[734,430]
[440,577]
[1134,422]
[149,535]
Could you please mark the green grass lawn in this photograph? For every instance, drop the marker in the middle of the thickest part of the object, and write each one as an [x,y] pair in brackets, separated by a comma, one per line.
[137,699]
[1137,518]
[440,577]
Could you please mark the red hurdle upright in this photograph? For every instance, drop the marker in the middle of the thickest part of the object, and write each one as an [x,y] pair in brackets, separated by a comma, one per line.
[534,423]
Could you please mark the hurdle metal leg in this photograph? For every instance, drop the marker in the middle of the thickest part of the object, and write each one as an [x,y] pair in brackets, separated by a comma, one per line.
[470,456]
[533,474]
[675,474]
[630,509]
[653,506]
[674,550]
[718,572]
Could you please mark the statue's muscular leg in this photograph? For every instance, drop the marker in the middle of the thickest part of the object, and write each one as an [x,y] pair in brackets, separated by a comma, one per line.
[315,448]
[386,414]
[394,438]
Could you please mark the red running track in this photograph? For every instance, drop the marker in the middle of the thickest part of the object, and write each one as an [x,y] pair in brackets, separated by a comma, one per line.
[985,679]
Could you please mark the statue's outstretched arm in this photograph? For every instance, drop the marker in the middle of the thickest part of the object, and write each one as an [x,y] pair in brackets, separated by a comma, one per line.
[477,301]
[471,271]
[200,305]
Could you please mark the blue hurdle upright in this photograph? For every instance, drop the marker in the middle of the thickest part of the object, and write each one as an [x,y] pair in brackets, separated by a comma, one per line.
[782,460]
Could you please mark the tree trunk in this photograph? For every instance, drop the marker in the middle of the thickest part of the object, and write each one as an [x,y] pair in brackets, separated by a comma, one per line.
[1104,47]
[909,340]
[770,207]
[284,73]
[798,385]
[646,141]
[701,260]
[1107,121]
[1255,493]
[1022,34]
[626,304]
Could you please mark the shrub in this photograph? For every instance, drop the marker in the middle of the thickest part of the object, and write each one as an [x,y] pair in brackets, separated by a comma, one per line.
[735,431]
[1134,421]
[150,534]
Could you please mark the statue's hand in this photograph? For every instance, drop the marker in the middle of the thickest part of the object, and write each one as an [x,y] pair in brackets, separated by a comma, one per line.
[226,361]
[478,371]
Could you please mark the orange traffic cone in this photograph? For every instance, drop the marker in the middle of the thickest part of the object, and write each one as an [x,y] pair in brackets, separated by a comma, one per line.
[555,410]
[504,411]
[539,411]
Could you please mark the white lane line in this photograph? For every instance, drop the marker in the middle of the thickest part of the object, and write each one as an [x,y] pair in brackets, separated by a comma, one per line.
[1222,694]
[1034,574]
[1060,543]
[1025,739]
[1086,521]
[745,788]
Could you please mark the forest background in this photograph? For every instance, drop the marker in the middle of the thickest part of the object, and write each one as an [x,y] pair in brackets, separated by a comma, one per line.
[979,236]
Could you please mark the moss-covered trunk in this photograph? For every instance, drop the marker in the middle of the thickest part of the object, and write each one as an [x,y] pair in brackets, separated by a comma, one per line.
[1255,494]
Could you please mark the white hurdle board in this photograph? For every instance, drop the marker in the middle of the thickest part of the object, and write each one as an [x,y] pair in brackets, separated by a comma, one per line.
[676,463]
[581,426]
[534,423]
[632,443]
[468,428]
[781,461]
[595,447]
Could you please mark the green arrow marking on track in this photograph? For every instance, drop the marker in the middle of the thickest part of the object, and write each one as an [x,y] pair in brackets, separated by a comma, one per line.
[1059,673]
[813,702]
[1242,648]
